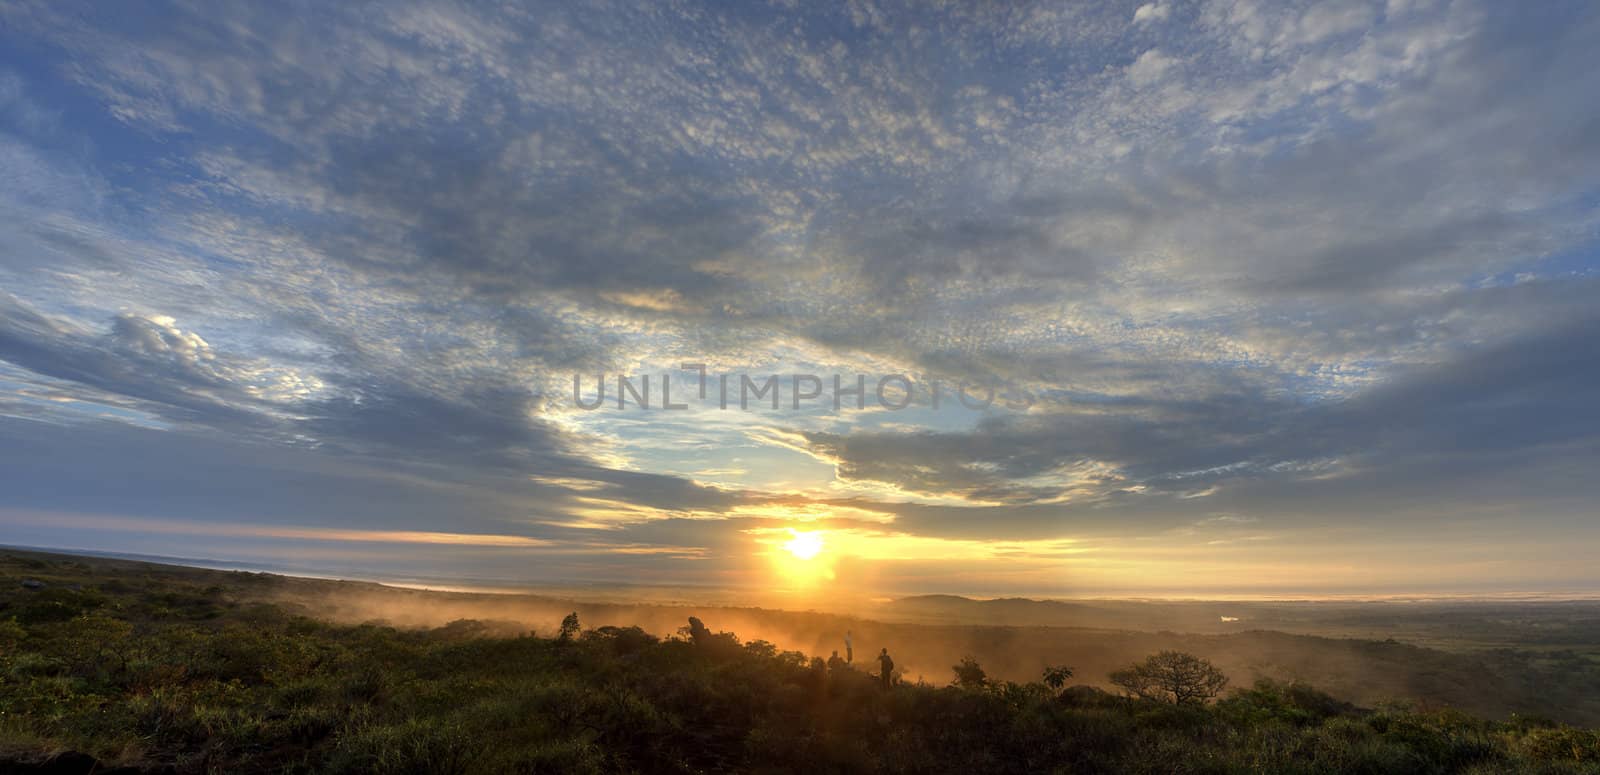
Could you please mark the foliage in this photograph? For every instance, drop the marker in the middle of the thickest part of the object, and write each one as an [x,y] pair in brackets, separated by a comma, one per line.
[1172,676]
[569,627]
[152,675]
[969,675]
[1295,703]
[1056,677]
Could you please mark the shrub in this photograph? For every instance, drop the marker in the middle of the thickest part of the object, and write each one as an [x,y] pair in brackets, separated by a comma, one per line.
[1056,677]
[1562,743]
[1293,703]
[969,675]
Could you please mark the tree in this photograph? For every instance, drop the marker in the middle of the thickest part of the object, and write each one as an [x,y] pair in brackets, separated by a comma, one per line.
[621,640]
[1172,676]
[1055,677]
[969,675]
[697,631]
[718,643]
[761,648]
[569,627]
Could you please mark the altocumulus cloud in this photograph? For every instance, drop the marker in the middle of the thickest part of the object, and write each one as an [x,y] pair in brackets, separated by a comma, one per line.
[1303,264]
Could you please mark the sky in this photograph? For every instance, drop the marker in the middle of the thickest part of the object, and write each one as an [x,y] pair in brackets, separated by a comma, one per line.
[1276,299]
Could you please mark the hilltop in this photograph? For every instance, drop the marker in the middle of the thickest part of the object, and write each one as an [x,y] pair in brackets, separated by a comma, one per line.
[164,668]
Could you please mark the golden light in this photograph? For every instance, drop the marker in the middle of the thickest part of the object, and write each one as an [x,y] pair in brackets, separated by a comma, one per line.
[805,546]
[803,559]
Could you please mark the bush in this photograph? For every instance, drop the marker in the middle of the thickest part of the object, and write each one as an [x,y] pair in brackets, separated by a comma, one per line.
[1292,703]
[1561,744]
[969,675]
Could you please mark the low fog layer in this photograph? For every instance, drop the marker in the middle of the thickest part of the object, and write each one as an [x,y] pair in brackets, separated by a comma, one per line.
[1344,648]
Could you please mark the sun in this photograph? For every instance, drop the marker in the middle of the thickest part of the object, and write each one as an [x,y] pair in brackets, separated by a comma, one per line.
[802,559]
[804,546]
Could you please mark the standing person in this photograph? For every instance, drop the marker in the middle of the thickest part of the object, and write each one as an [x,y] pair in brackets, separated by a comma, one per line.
[886,665]
[849,652]
[835,664]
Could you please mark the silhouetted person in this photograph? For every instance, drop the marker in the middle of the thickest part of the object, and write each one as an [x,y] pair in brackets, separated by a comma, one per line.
[886,666]
[849,651]
[698,632]
[835,664]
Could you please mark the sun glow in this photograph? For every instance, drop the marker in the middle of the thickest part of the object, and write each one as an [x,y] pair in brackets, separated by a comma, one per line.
[805,546]
[803,560]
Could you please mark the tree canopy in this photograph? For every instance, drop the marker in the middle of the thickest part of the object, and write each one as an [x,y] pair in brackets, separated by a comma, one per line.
[1172,676]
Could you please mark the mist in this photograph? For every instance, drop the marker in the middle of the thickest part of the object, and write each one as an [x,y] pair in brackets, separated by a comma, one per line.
[1346,649]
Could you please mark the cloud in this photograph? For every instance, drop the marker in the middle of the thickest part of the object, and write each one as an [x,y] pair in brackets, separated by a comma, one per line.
[1482,419]
[1151,12]
[1150,67]
[1247,255]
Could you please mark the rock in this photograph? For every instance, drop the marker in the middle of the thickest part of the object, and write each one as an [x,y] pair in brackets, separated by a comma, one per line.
[32,584]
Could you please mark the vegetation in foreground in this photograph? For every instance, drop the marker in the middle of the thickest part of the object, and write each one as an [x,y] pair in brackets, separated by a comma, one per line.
[182,677]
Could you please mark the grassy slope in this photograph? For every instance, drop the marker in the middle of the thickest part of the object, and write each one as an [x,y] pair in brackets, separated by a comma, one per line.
[210,670]
[1561,683]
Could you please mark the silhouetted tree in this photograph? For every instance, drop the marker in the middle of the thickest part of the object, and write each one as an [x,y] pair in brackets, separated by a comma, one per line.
[569,627]
[761,648]
[621,640]
[1055,677]
[696,630]
[717,643]
[1172,676]
[969,675]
